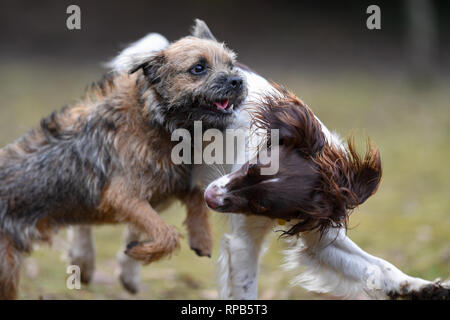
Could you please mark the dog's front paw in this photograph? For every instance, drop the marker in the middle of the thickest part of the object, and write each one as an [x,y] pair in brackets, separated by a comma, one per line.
[131,284]
[201,244]
[201,253]
[146,251]
[129,273]
[432,291]
[150,251]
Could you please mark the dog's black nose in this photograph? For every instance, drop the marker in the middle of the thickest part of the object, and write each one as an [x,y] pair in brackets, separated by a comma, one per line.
[235,82]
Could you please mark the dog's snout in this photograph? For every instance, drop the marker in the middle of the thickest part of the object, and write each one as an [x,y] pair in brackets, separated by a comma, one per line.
[235,82]
[211,197]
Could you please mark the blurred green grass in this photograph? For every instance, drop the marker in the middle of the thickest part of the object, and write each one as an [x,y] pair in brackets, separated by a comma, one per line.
[407,222]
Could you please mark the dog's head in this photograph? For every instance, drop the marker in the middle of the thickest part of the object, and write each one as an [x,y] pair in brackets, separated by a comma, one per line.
[194,79]
[317,184]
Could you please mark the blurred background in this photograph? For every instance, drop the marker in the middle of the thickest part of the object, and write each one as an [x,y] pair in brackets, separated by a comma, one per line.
[390,84]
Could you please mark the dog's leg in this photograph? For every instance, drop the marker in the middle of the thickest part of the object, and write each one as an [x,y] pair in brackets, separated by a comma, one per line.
[239,256]
[82,251]
[197,223]
[129,268]
[10,262]
[164,239]
[335,264]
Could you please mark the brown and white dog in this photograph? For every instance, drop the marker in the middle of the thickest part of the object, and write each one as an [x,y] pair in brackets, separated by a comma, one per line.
[319,181]
[107,159]
[316,183]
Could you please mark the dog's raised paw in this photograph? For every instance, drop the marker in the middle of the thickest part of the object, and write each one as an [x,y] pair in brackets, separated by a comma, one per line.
[148,251]
[129,284]
[432,291]
[438,291]
[200,253]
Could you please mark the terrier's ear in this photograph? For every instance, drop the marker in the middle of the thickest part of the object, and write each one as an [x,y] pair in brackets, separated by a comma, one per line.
[201,30]
[150,66]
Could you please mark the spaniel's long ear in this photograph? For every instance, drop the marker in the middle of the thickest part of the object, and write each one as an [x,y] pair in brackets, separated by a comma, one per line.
[201,30]
[364,173]
[150,65]
[297,125]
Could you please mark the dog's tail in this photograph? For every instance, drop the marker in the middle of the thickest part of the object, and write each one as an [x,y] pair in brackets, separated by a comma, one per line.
[125,60]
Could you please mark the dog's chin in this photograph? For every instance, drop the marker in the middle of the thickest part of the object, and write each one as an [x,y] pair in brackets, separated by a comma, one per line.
[227,205]
[215,119]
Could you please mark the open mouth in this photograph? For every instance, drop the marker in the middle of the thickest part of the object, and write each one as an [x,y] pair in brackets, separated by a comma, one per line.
[224,106]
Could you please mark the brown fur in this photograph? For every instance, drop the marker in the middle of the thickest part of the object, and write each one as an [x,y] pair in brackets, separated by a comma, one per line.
[317,184]
[197,223]
[107,159]
[9,269]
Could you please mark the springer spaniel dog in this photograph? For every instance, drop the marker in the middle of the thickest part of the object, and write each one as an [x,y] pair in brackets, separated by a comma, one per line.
[320,179]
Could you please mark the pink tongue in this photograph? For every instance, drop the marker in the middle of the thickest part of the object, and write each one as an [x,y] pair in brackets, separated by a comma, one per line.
[222,105]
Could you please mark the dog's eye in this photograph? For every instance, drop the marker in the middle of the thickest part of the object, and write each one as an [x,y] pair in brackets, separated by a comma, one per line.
[198,69]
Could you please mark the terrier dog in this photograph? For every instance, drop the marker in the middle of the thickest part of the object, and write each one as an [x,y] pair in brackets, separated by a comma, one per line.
[107,159]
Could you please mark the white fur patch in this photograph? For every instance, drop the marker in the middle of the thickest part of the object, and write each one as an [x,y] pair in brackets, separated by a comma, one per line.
[320,275]
[335,264]
[137,51]
[223,269]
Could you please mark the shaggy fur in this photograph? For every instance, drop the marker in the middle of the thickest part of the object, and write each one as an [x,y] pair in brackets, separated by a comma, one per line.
[329,261]
[107,158]
[333,180]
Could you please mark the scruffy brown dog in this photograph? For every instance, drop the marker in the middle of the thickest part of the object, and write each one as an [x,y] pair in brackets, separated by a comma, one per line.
[107,159]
